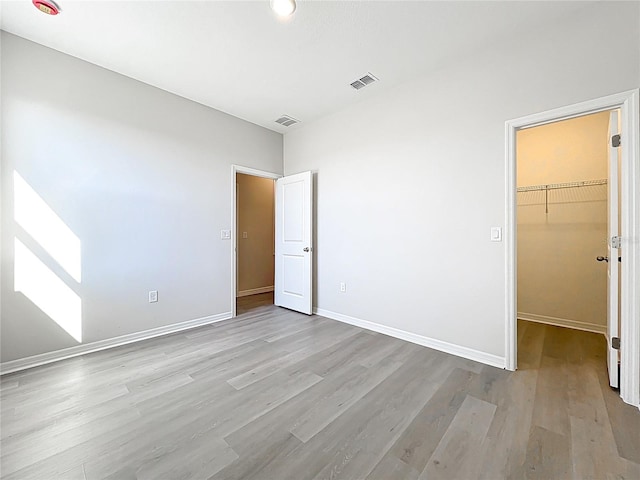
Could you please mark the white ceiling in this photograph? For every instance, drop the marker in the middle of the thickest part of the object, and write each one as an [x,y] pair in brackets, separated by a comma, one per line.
[239,58]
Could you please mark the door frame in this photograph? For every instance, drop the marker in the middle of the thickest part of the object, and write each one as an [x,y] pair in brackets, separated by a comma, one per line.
[629,104]
[234,227]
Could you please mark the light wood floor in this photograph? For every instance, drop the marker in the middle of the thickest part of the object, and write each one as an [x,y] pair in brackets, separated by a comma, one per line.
[277,395]
[251,302]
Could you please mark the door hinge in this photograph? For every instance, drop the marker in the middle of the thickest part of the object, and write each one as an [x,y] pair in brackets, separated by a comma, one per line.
[615,141]
[615,242]
[615,343]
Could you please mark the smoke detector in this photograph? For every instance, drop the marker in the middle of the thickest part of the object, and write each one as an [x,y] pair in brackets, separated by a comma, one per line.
[47,6]
[363,81]
[287,121]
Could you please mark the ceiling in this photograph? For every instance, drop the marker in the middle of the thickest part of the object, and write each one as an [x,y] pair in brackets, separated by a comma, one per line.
[238,57]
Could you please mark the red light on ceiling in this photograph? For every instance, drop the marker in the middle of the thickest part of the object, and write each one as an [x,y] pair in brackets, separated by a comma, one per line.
[47,6]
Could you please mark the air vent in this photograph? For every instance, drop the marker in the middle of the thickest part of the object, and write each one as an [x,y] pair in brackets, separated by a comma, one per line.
[287,121]
[362,82]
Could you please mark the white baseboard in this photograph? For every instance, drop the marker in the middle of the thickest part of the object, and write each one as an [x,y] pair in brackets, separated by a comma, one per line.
[563,322]
[50,357]
[254,291]
[460,351]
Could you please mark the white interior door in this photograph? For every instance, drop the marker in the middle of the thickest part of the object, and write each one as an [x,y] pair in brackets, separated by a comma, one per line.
[294,234]
[613,265]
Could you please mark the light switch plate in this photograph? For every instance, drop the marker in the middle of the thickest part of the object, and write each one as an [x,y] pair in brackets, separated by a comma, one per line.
[245,235]
[496,234]
[225,234]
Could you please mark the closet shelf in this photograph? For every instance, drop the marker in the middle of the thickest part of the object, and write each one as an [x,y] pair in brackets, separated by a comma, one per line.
[556,186]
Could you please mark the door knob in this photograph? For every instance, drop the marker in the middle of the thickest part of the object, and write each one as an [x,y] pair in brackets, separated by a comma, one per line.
[602,259]
[305,249]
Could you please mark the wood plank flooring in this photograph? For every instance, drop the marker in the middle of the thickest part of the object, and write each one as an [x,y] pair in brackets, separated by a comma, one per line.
[277,395]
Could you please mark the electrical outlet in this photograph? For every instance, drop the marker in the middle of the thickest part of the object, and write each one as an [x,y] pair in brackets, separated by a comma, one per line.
[153,296]
[343,287]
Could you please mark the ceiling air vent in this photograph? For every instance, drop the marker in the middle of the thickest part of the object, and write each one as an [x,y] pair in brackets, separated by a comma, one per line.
[362,82]
[287,121]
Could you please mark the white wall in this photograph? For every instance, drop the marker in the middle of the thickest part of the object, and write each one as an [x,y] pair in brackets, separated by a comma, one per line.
[141,176]
[559,279]
[410,182]
[256,197]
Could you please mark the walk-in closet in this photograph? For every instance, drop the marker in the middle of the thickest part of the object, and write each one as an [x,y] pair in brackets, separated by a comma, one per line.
[562,225]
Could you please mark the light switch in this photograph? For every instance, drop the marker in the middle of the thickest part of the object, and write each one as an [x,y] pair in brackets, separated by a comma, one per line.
[245,235]
[496,234]
[225,234]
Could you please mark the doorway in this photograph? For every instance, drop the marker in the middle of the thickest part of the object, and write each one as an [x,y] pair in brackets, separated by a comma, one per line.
[253,230]
[255,247]
[627,103]
[562,223]
[562,211]
[292,224]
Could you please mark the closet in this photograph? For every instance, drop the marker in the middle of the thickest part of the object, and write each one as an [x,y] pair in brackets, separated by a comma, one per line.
[562,223]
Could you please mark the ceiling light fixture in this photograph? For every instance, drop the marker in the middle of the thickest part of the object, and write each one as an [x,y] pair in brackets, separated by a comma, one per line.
[283,8]
[47,6]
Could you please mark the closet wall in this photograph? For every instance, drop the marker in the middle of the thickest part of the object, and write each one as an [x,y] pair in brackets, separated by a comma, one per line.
[559,279]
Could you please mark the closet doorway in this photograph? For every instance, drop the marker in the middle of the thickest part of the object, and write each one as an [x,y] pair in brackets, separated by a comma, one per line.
[254,234]
[563,222]
[623,306]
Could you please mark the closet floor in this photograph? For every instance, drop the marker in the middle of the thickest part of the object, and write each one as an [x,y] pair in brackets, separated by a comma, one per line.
[277,395]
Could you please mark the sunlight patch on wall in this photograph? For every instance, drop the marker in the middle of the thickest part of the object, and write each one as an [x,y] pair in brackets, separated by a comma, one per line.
[41,222]
[45,289]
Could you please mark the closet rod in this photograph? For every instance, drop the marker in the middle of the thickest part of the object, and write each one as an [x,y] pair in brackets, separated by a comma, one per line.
[555,186]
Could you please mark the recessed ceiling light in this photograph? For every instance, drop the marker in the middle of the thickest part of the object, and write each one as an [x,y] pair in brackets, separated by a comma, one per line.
[283,8]
[47,6]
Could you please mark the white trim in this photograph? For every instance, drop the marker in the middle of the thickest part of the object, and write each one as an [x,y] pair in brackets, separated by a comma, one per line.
[50,357]
[629,105]
[459,351]
[234,262]
[255,291]
[563,322]
[510,264]
[630,288]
